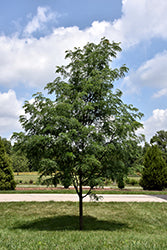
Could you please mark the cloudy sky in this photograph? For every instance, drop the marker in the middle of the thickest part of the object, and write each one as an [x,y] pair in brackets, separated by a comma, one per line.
[35,34]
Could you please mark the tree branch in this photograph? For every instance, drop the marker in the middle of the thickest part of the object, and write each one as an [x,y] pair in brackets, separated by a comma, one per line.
[88,192]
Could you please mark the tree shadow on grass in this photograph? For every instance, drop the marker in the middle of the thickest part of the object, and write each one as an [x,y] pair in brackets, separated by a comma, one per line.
[71,223]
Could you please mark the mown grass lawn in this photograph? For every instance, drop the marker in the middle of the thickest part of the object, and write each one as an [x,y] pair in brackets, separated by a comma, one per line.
[54,225]
[26,177]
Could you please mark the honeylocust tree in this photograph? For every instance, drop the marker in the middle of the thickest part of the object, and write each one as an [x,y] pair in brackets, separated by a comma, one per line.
[82,132]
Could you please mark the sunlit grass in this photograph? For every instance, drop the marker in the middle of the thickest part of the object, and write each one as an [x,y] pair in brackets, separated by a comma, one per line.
[26,178]
[54,225]
[25,173]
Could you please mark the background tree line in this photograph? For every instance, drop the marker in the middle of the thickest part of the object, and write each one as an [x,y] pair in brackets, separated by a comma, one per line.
[135,160]
[18,159]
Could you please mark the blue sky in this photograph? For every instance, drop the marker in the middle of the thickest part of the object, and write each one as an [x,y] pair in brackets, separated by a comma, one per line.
[35,34]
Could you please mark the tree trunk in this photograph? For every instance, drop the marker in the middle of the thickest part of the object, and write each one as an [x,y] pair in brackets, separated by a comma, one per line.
[80,212]
[80,203]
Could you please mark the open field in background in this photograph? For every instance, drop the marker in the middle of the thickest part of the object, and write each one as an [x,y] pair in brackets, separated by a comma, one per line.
[27,182]
[54,225]
[26,178]
[32,178]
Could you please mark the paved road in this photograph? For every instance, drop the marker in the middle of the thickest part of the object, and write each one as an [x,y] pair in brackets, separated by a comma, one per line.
[74,197]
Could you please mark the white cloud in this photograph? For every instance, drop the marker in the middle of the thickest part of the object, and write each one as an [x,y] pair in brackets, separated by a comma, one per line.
[162,92]
[156,122]
[10,109]
[129,84]
[152,74]
[142,19]
[43,16]
[32,61]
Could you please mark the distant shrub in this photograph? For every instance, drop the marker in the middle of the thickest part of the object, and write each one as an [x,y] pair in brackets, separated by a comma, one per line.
[132,181]
[31,182]
[154,174]
[6,173]
[120,182]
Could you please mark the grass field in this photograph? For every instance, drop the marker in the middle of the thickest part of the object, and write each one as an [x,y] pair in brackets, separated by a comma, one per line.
[32,178]
[50,225]
[26,178]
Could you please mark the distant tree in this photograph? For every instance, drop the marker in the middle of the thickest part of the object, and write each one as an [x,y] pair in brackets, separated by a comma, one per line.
[137,153]
[20,162]
[83,129]
[6,173]
[154,176]
[7,145]
[160,139]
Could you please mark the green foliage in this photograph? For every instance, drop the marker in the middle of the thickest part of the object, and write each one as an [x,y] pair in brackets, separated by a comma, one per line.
[120,183]
[154,176]
[7,145]
[160,139]
[83,131]
[66,179]
[20,162]
[136,169]
[136,157]
[132,181]
[6,174]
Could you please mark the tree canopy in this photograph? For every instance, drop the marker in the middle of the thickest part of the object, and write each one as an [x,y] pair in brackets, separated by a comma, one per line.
[84,130]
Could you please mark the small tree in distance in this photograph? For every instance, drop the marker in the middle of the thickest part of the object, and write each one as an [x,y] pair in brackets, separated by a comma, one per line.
[154,176]
[160,139]
[20,162]
[84,130]
[6,173]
